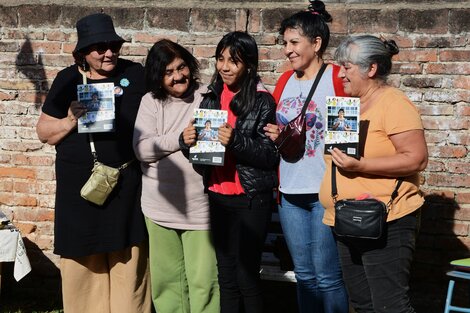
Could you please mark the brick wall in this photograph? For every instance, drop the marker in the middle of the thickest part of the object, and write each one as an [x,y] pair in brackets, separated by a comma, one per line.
[432,68]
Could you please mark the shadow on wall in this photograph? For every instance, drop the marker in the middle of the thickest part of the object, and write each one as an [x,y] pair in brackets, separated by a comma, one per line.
[438,244]
[30,64]
[39,291]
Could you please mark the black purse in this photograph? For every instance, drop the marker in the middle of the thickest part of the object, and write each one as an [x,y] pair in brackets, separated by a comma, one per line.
[291,141]
[364,219]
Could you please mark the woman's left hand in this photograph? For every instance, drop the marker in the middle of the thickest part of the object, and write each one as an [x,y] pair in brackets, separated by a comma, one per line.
[225,134]
[344,161]
[272,131]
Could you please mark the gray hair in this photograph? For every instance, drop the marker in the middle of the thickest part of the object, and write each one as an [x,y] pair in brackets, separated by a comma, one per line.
[366,50]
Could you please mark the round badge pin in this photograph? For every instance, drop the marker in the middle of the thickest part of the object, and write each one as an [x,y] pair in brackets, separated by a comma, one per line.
[124,82]
[118,91]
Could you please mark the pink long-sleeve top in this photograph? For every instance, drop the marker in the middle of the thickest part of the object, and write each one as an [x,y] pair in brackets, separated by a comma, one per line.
[172,191]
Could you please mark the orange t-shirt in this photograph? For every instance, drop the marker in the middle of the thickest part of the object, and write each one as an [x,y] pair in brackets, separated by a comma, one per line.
[391,114]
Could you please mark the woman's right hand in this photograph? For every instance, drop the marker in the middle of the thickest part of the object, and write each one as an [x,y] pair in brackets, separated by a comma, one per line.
[76,110]
[189,134]
[272,131]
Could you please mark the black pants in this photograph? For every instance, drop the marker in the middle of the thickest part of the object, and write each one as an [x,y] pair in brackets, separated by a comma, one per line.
[377,272]
[239,226]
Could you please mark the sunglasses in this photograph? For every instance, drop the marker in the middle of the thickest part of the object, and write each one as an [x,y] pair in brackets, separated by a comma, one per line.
[102,47]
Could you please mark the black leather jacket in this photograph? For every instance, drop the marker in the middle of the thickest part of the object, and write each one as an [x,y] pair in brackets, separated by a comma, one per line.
[256,156]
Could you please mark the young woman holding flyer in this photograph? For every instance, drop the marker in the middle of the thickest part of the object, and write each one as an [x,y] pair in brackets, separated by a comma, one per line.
[241,191]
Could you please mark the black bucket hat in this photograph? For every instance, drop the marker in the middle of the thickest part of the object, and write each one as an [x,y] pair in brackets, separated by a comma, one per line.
[95,28]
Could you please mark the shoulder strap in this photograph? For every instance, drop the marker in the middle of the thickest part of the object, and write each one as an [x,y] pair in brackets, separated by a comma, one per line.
[314,86]
[334,189]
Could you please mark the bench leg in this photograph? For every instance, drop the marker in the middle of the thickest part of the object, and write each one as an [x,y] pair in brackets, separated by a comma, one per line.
[450,290]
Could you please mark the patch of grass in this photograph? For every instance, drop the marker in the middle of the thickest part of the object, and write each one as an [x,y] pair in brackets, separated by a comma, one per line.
[30,301]
[33,294]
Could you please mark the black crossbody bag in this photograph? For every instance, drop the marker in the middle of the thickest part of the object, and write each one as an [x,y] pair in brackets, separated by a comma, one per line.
[364,219]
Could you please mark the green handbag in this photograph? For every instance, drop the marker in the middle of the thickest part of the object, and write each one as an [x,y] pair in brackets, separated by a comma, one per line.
[102,181]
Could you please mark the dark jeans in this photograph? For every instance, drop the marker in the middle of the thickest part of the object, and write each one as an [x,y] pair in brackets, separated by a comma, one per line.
[377,272]
[239,227]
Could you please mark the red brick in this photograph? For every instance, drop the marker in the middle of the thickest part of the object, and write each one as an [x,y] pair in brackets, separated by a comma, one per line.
[461,82]
[39,15]
[241,20]
[435,95]
[21,146]
[428,55]
[440,196]
[440,41]
[254,21]
[57,35]
[17,172]
[340,21]
[204,51]
[34,215]
[41,46]
[458,21]
[463,110]
[145,37]
[463,198]
[284,66]
[459,138]
[423,82]
[430,21]
[440,109]
[210,20]
[135,50]
[6,186]
[448,68]
[17,85]
[373,21]
[265,39]
[445,123]
[435,166]
[26,228]
[458,167]
[447,151]
[454,55]
[32,97]
[407,68]
[25,187]
[197,40]
[44,242]
[271,53]
[11,95]
[271,18]
[45,174]
[448,180]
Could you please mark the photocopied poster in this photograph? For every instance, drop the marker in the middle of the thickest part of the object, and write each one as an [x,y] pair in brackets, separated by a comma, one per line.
[342,120]
[99,101]
[208,149]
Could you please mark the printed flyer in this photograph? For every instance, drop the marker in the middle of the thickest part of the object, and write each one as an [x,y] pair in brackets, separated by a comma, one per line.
[342,120]
[208,149]
[99,101]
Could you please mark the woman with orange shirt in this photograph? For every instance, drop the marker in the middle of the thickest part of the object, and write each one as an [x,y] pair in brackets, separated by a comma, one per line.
[376,272]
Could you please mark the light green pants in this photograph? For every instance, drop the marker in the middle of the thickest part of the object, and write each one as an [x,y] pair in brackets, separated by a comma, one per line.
[183,270]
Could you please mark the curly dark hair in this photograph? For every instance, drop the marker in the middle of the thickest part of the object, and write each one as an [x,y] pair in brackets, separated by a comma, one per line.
[162,53]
